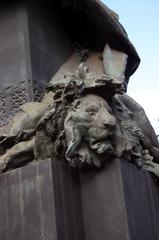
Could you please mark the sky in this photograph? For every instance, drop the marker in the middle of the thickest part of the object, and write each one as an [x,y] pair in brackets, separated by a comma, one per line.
[140,19]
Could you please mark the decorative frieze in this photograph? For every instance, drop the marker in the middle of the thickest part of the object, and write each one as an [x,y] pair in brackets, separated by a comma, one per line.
[11,98]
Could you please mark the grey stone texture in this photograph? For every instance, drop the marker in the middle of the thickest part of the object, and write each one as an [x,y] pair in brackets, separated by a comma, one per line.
[13,45]
[40,201]
[49,200]
[27,198]
[36,41]
[49,43]
[103,204]
[14,69]
[141,192]
[33,45]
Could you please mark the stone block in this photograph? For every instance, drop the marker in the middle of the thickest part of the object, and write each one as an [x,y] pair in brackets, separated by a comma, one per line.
[40,201]
[103,204]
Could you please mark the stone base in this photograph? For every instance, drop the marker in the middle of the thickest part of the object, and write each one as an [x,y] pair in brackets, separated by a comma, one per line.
[40,202]
[48,200]
[103,204]
[141,193]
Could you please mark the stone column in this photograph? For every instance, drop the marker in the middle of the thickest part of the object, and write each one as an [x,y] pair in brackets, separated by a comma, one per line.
[33,46]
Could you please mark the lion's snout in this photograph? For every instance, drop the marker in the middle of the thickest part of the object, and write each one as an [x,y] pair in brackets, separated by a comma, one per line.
[107,122]
[109,125]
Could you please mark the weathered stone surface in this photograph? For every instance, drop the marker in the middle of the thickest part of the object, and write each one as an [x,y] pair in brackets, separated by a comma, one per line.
[50,44]
[13,45]
[41,201]
[35,41]
[69,215]
[114,63]
[141,193]
[31,52]
[28,202]
[103,204]
[70,123]
[14,60]
[46,200]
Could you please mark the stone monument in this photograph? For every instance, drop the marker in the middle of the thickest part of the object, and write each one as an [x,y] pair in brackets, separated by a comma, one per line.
[74,147]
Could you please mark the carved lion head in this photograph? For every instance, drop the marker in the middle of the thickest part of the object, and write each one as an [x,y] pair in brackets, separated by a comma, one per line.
[80,132]
[89,127]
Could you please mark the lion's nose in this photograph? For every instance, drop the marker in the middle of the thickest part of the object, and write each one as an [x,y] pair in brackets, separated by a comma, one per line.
[110,126]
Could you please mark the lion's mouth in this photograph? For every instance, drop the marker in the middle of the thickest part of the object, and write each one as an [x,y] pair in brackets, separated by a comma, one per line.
[103,135]
[102,147]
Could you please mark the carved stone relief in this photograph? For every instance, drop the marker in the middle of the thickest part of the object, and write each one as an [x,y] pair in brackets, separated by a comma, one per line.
[38,90]
[82,119]
[13,97]
[2,110]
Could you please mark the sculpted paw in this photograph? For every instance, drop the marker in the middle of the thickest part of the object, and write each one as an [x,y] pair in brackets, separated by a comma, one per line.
[154,168]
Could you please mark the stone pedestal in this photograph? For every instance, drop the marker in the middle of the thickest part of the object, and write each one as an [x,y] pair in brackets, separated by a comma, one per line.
[40,201]
[104,210]
[48,201]
[141,193]
[27,203]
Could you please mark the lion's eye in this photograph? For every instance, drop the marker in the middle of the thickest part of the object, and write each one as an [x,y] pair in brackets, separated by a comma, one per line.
[92,113]
[110,111]
[92,110]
